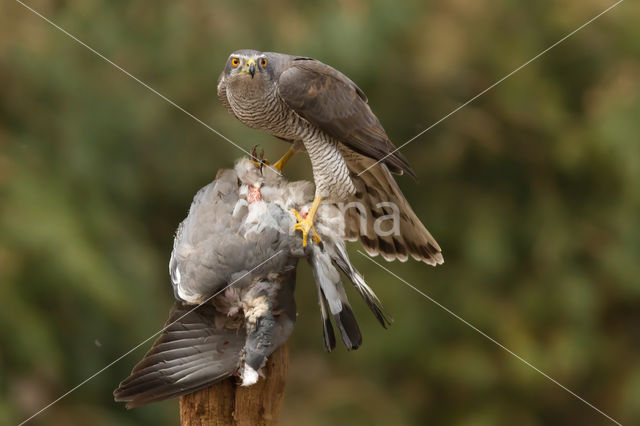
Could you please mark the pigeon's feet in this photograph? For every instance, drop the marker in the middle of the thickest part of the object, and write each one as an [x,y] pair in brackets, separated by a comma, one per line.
[305,224]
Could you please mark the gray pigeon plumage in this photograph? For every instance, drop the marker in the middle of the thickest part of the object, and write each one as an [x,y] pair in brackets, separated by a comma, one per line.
[236,255]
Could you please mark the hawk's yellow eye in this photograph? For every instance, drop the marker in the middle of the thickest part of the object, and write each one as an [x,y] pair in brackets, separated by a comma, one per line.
[235,62]
[263,62]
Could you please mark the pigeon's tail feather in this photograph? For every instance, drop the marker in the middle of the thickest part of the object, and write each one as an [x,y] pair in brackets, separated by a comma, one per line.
[327,329]
[340,257]
[348,326]
[327,278]
[371,299]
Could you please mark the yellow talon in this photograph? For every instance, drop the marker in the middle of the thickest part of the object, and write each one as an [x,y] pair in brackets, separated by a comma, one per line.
[306,224]
[260,164]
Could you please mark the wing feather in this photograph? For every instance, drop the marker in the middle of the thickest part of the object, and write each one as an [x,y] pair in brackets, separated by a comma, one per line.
[330,100]
[222,93]
[373,189]
[192,353]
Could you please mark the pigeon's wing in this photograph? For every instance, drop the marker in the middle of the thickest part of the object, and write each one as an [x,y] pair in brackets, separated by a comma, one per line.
[327,98]
[191,354]
[199,264]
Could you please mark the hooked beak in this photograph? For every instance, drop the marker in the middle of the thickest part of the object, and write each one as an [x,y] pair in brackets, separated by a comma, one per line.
[250,67]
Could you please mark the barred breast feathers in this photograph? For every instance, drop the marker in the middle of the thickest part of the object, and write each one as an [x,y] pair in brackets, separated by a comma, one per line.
[330,171]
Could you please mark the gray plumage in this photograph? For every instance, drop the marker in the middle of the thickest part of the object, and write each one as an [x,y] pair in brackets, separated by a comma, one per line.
[225,237]
[301,99]
[237,244]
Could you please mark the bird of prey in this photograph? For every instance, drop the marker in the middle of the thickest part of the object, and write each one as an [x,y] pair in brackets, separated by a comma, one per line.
[233,271]
[320,110]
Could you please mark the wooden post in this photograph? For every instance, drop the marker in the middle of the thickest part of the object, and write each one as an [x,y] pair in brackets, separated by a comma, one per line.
[226,403]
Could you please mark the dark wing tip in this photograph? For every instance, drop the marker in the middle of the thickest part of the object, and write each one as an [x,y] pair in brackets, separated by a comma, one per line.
[349,329]
[423,253]
[329,335]
[398,163]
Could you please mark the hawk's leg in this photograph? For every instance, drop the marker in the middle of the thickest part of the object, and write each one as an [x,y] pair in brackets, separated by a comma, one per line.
[295,147]
[305,224]
[279,165]
[259,161]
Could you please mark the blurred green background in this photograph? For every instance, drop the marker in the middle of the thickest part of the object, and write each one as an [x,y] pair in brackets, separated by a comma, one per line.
[533,192]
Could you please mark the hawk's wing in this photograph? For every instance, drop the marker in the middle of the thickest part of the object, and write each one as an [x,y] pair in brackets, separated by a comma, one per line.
[330,100]
[222,93]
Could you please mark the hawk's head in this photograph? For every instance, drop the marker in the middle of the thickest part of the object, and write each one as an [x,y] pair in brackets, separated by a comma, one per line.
[249,65]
